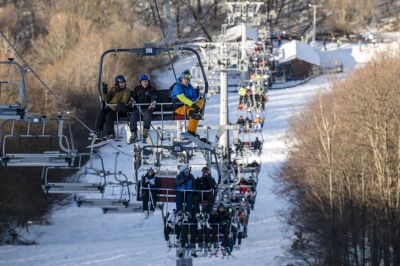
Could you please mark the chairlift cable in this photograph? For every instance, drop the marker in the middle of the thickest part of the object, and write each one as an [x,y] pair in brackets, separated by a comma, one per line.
[43,83]
[163,31]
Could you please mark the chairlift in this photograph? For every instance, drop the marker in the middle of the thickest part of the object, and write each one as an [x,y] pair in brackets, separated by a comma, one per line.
[84,180]
[165,108]
[49,140]
[13,94]
[116,193]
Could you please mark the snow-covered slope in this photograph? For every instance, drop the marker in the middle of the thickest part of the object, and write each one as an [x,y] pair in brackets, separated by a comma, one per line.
[85,236]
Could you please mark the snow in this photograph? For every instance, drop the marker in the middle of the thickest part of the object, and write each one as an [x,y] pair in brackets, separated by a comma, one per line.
[298,50]
[86,236]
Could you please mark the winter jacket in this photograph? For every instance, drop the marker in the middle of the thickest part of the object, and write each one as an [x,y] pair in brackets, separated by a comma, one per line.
[242,91]
[184,182]
[116,95]
[258,120]
[241,122]
[150,180]
[144,95]
[205,182]
[186,94]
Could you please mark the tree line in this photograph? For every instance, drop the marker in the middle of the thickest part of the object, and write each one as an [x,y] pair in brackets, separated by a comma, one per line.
[343,171]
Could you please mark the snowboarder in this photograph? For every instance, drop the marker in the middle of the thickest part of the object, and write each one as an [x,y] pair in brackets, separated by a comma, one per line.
[116,98]
[184,92]
[184,182]
[150,184]
[144,93]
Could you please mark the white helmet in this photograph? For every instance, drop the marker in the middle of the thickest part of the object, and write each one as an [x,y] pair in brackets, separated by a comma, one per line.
[184,167]
[257,115]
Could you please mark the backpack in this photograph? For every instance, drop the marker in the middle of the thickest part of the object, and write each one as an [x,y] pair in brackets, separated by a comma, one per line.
[170,91]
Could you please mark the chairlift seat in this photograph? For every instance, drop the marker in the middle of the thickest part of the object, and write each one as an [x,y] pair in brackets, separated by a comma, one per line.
[11,112]
[103,203]
[47,158]
[61,188]
[131,208]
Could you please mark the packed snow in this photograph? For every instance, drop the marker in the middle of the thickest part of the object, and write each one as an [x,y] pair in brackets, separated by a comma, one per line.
[86,236]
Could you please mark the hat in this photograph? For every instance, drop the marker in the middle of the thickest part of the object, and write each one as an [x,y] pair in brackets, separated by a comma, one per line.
[184,167]
[186,74]
[205,169]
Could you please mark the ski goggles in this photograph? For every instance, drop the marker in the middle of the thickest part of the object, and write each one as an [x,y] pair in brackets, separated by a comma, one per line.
[187,76]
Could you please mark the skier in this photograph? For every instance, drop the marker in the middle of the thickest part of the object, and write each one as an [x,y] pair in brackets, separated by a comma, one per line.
[258,123]
[144,93]
[187,228]
[172,225]
[259,97]
[242,185]
[184,92]
[221,220]
[257,144]
[184,181]
[116,98]
[241,122]
[150,184]
[242,95]
[205,182]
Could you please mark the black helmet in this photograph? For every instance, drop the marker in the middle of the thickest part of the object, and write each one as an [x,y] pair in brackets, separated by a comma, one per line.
[120,79]
[205,169]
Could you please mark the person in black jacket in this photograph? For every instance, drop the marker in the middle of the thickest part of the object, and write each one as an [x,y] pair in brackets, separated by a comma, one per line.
[205,182]
[146,94]
[149,184]
[221,220]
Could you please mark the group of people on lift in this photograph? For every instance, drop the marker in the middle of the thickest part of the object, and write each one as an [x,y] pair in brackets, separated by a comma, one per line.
[142,101]
[252,97]
[246,123]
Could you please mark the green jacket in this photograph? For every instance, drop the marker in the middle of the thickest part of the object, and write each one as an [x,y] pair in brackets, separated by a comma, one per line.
[116,95]
[242,91]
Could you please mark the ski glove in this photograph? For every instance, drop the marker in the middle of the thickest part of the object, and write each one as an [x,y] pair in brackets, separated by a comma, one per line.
[119,107]
[152,105]
[131,102]
[196,108]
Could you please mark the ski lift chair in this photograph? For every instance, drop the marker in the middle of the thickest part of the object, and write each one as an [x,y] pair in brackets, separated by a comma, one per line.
[165,109]
[49,147]
[116,193]
[12,88]
[78,183]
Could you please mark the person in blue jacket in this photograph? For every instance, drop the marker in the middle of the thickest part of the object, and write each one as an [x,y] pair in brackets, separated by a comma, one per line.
[184,181]
[184,92]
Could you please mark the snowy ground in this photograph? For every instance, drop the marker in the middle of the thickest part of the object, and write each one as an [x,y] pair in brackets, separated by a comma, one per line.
[85,236]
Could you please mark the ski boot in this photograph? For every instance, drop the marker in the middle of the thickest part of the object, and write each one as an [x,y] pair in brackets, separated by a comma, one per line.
[145,135]
[146,214]
[181,252]
[133,137]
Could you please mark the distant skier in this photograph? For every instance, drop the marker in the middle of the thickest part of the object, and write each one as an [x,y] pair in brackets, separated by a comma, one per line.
[241,122]
[221,224]
[144,93]
[257,144]
[258,123]
[184,182]
[184,92]
[150,184]
[116,98]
